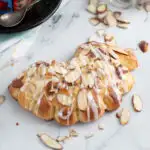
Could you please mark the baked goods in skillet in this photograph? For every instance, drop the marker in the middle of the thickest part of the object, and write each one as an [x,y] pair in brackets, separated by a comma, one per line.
[79,90]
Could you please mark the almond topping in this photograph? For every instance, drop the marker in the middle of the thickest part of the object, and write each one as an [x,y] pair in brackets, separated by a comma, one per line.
[101,126]
[121,20]
[94,21]
[111,20]
[89,135]
[50,142]
[72,76]
[73,133]
[82,100]
[117,14]
[59,69]
[62,138]
[102,8]
[2,99]
[144,46]
[122,25]
[91,8]
[64,99]
[137,103]
[125,116]
[108,37]
[118,50]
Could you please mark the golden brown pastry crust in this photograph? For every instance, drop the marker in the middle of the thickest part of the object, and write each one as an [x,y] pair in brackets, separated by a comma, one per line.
[80,90]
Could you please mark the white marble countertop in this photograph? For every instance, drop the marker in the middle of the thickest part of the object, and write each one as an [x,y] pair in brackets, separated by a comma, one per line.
[57,39]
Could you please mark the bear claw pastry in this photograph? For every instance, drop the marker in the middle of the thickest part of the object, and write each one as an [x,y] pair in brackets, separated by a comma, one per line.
[79,90]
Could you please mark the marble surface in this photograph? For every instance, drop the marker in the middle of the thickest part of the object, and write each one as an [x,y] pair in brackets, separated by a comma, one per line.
[57,39]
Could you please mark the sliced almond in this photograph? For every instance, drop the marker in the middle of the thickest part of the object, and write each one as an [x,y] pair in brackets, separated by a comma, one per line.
[94,21]
[91,8]
[122,25]
[101,8]
[118,49]
[89,135]
[50,142]
[123,21]
[101,126]
[82,100]
[117,14]
[118,114]
[73,133]
[88,79]
[2,99]
[60,69]
[62,138]
[101,16]
[125,116]
[111,20]
[108,37]
[137,103]
[65,100]
[72,76]
[93,2]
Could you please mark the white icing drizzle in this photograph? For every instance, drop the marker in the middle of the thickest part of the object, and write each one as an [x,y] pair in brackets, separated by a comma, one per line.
[93,105]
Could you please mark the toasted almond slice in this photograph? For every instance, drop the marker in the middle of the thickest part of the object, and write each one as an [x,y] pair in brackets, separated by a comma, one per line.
[137,103]
[111,20]
[50,142]
[108,37]
[60,69]
[122,25]
[101,126]
[91,8]
[72,76]
[102,8]
[117,14]
[2,99]
[73,133]
[62,138]
[125,116]
[64,99]
[89,135]
[82,100]
[121,20]
[101,16]
[94,21]
[118,50]
[88,79]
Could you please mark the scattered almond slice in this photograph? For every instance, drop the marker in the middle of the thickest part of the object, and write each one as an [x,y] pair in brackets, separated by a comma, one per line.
[62,138]
[118,50]
[50,142]
[123,21]
[101,126]
[73,133]
[125,116]
[89,135]
[108,38]
[122,25]
[91,8]
[65,100]
[94,21]
[111,20]
[144,46]
[2,99]
[117,14]
[82,100]
[137,103]
[102,8]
